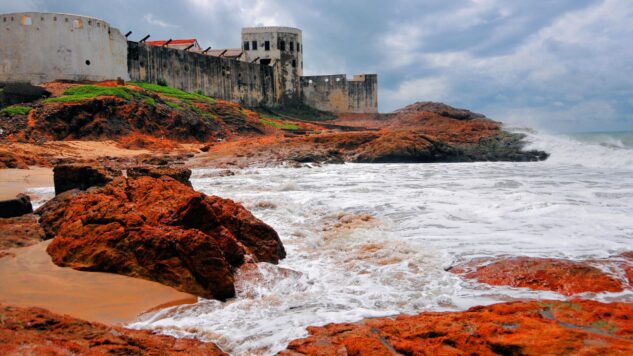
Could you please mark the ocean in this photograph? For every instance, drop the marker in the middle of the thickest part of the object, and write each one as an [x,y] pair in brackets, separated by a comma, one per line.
[368,240]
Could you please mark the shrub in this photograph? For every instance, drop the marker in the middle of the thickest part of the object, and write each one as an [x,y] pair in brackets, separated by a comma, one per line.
[84,92]
[162,82]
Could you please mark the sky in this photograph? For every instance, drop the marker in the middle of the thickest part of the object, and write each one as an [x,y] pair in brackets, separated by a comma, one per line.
[553,65]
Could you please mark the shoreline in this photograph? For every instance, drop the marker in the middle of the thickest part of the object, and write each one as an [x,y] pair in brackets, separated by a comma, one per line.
[30,279]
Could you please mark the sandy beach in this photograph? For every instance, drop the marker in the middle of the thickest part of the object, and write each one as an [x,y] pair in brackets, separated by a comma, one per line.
[16,181]
[31,279]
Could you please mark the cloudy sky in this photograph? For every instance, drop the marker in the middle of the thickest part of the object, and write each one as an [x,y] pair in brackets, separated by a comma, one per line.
[556,65]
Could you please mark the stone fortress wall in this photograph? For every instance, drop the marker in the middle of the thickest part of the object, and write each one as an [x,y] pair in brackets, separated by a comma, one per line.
[336,93]
[242,82]
[43,47]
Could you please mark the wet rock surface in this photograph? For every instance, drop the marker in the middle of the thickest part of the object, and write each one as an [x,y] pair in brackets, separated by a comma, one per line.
[561,276]
[518,328]
[81,176]
[157,229]
[17,206]
[35,331]
[21,231]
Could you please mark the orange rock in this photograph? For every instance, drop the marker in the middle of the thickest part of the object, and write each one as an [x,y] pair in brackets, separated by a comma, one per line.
[562,276]
[20,231]
[158,229]
[34,331]
[518,328]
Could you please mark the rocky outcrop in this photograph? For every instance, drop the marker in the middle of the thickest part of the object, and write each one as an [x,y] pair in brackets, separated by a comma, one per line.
[81,176]
[35,331]
[180,174]
[440,109]
[562,276]
[518,328]
[21,231]
[157,229]
[17,206]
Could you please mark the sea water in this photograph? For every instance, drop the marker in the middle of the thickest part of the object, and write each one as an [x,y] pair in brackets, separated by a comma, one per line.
[368,240]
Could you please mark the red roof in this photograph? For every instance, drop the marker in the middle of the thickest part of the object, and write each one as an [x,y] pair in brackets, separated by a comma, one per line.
[173,42]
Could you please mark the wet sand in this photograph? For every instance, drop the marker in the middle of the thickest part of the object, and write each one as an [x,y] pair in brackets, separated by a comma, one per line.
[16,181]
[31,279]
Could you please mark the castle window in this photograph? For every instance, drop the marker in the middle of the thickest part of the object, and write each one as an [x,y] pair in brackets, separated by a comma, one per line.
[298,47]
[27,21]
[294,62]
[254,45]
[78,24]
[282,46]
[87,62]
[267,45]
[246,46]
[54,18]
[301,64]
[292,46]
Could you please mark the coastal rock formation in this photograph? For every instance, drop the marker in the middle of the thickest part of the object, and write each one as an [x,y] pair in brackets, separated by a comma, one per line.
[35,331]
[518,328]
[81,176]
[562,276]
[20,231]
[17,206]
[158,229]
[180,174]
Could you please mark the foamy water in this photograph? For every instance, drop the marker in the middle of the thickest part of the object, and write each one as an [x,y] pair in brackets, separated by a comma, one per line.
[374,240]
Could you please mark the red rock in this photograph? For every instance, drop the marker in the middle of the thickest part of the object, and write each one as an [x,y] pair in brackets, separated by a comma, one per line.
[20,231]
[180,174]
[35,331]
[562,276]
[158,229]
[518,328]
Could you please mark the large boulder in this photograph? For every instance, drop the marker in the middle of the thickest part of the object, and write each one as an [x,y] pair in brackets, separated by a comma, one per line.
[81,176]
[35,331]
[181,174]
[17,206]
[158,229]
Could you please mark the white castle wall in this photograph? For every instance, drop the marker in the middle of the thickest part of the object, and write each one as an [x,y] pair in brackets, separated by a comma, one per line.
[43,47]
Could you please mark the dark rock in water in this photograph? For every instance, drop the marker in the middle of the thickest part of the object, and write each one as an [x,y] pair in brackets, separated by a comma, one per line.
[158,229]
[17,206]
[20,231]
[81,176]
[180,174]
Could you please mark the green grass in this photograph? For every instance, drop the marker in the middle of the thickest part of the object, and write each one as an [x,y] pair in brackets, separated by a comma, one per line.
[279,124]
[149,101]
[84,92]
[15,110]
[174,93]
[173,105]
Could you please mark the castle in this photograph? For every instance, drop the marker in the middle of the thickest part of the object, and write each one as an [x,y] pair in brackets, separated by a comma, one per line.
[267,69]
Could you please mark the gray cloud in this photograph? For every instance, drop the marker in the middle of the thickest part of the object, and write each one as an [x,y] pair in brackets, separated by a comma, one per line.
[563,65]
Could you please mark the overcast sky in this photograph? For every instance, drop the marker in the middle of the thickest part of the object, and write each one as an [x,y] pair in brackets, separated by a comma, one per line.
[558,65]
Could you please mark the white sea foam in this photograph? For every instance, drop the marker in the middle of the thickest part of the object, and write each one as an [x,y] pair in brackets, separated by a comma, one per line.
[342,266]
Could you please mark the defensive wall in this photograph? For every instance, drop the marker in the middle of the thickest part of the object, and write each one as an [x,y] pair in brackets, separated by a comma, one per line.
[250,84]
[336,93]
[42,47]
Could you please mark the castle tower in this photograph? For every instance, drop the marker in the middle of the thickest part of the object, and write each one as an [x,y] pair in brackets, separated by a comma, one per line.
[281,48]
[42,47]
